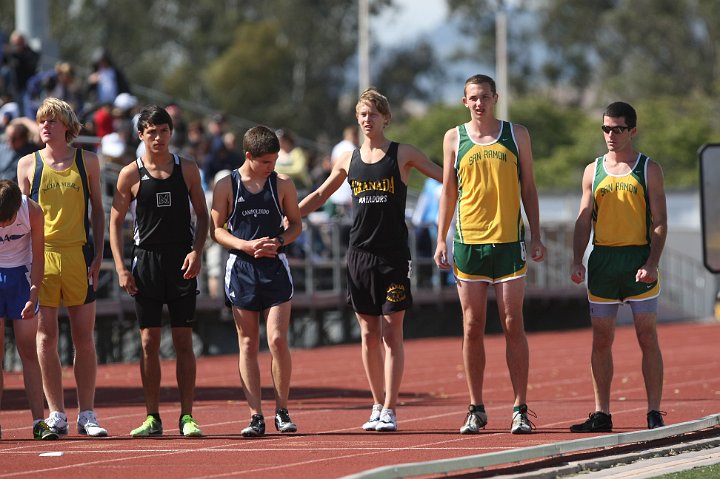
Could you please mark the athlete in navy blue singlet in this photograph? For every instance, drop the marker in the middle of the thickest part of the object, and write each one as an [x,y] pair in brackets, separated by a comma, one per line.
[250,210]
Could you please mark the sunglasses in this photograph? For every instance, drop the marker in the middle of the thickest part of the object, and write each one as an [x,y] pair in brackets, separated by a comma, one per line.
[615,129]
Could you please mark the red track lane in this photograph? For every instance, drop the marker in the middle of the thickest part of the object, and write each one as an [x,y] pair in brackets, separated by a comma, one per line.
[330,400]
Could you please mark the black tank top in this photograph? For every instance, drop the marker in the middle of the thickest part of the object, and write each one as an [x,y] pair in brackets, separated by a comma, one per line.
[255,215]
[162,209]
[379,197]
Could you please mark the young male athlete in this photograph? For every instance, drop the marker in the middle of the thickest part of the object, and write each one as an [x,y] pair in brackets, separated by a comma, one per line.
[254,215]
[379,257]
[623,204]
[65,182]
[166,259]
[487,175]
[22,261]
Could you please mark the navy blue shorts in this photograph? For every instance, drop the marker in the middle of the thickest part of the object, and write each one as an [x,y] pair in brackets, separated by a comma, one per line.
[14,291]
[256,284]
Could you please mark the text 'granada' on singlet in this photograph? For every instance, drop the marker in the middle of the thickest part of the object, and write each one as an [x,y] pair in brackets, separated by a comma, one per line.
[379,196]
[16,239]
[63,196]
[255,215]
[621,212]
[488,176]
[161,208]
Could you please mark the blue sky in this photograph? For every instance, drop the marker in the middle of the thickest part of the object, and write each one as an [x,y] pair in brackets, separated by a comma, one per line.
[411,19]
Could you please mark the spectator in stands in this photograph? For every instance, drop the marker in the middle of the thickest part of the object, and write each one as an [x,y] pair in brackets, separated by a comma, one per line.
[106,81]
[215,255]
[224,157]
[293,162]
[341,201]
[22,62]
[16,145]
[9,110]
[180,132]
[58,82]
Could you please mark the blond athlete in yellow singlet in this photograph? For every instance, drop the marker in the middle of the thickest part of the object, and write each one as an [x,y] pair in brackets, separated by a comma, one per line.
[65,181]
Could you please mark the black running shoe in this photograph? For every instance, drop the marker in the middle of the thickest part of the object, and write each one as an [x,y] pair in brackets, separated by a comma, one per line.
[283,423]
[256,427]
[655,419]
[597,422]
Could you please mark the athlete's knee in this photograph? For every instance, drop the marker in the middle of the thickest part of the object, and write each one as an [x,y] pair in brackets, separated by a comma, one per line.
[474,330]
[602,341]
[647,339]
[47,340]
[150,343]
[514,326]
[248,344]
[83,338]
[27,350]
[278,343]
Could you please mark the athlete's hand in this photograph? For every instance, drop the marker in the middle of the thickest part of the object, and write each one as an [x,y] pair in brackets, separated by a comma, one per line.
[28,311]
[191,265]
[127,282]
[265,247]
[646,274]
[441,259]
[94,271]
[537,250]
[577,273]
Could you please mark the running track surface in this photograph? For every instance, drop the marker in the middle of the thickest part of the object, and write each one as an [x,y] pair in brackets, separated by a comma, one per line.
[330,400]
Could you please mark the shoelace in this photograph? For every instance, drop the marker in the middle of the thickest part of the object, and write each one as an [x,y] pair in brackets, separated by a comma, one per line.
[524,413]
[54,421]
[90,419]
[257,421]
[386,417]
[283,414]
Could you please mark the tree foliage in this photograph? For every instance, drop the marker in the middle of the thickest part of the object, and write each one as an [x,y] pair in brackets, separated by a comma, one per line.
[635,48]
[280,62]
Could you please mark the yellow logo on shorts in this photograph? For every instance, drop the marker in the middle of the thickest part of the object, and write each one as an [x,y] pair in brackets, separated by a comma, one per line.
[396,293]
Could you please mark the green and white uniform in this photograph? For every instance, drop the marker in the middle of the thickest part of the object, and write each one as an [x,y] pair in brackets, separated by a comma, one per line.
[489,233]
[622,222]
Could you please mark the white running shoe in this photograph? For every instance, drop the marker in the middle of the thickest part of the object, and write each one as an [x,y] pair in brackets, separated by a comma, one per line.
[87,424]
[521,424]
[476,419]
[387,422]
[57,422]
[374,418]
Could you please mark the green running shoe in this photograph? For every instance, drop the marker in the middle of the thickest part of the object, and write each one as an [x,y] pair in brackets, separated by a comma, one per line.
[42,432]
[188,427]
[151,427]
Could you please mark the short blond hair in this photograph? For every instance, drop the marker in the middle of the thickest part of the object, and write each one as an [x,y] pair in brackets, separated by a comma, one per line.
[56,109]
[373,97]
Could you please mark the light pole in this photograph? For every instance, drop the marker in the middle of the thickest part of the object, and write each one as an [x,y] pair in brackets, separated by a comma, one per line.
[501,68]
[363,45]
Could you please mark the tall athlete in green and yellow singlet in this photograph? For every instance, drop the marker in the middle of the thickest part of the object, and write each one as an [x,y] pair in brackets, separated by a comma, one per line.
[623,202]
[487,174]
